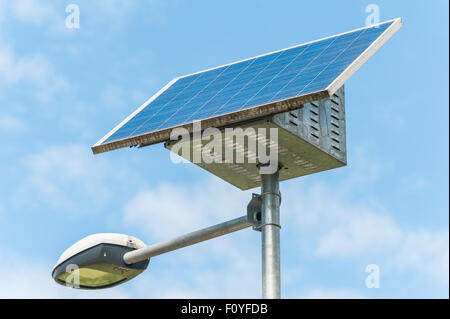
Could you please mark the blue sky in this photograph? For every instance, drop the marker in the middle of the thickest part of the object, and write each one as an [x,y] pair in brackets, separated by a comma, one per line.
[63,89]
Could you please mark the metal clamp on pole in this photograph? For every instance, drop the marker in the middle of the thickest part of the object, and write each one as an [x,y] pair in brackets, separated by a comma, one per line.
[265,223]
[276,194]
[254,215]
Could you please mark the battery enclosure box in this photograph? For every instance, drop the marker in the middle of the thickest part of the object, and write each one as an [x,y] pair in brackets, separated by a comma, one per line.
[311,139]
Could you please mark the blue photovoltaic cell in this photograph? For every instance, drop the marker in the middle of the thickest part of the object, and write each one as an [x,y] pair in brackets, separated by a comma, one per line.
[273,77]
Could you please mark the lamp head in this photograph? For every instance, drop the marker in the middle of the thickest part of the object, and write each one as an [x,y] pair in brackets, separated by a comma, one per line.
[96,262]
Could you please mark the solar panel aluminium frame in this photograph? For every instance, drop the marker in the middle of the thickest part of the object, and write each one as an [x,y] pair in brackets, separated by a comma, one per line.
[255,112]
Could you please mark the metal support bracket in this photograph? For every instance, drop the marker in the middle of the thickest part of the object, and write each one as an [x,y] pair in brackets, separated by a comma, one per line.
[254,212]
[254,208]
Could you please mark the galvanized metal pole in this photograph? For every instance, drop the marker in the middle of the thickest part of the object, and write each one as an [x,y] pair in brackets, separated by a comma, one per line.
[186,240]
[270,235]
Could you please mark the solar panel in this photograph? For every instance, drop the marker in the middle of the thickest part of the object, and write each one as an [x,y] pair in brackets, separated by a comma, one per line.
[248,89]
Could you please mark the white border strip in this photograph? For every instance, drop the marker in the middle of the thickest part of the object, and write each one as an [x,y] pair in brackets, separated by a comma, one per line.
[114,130]
[365,56]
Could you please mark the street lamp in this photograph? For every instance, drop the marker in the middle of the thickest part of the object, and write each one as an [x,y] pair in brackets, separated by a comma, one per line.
[297,93]
[107,260]
[96,262]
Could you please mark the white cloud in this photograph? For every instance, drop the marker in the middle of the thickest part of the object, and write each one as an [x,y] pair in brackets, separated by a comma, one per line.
[33,11]
[425,252]
[52,14]
[179,278]
[359,231]
[35,71]
[48,14]
[65,178]
[363,169]
[2,10]
[10,124]
[7,63]
[342,228]
[32,279]
[177,208]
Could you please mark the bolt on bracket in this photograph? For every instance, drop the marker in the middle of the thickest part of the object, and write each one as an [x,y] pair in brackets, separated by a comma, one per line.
[254,215]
